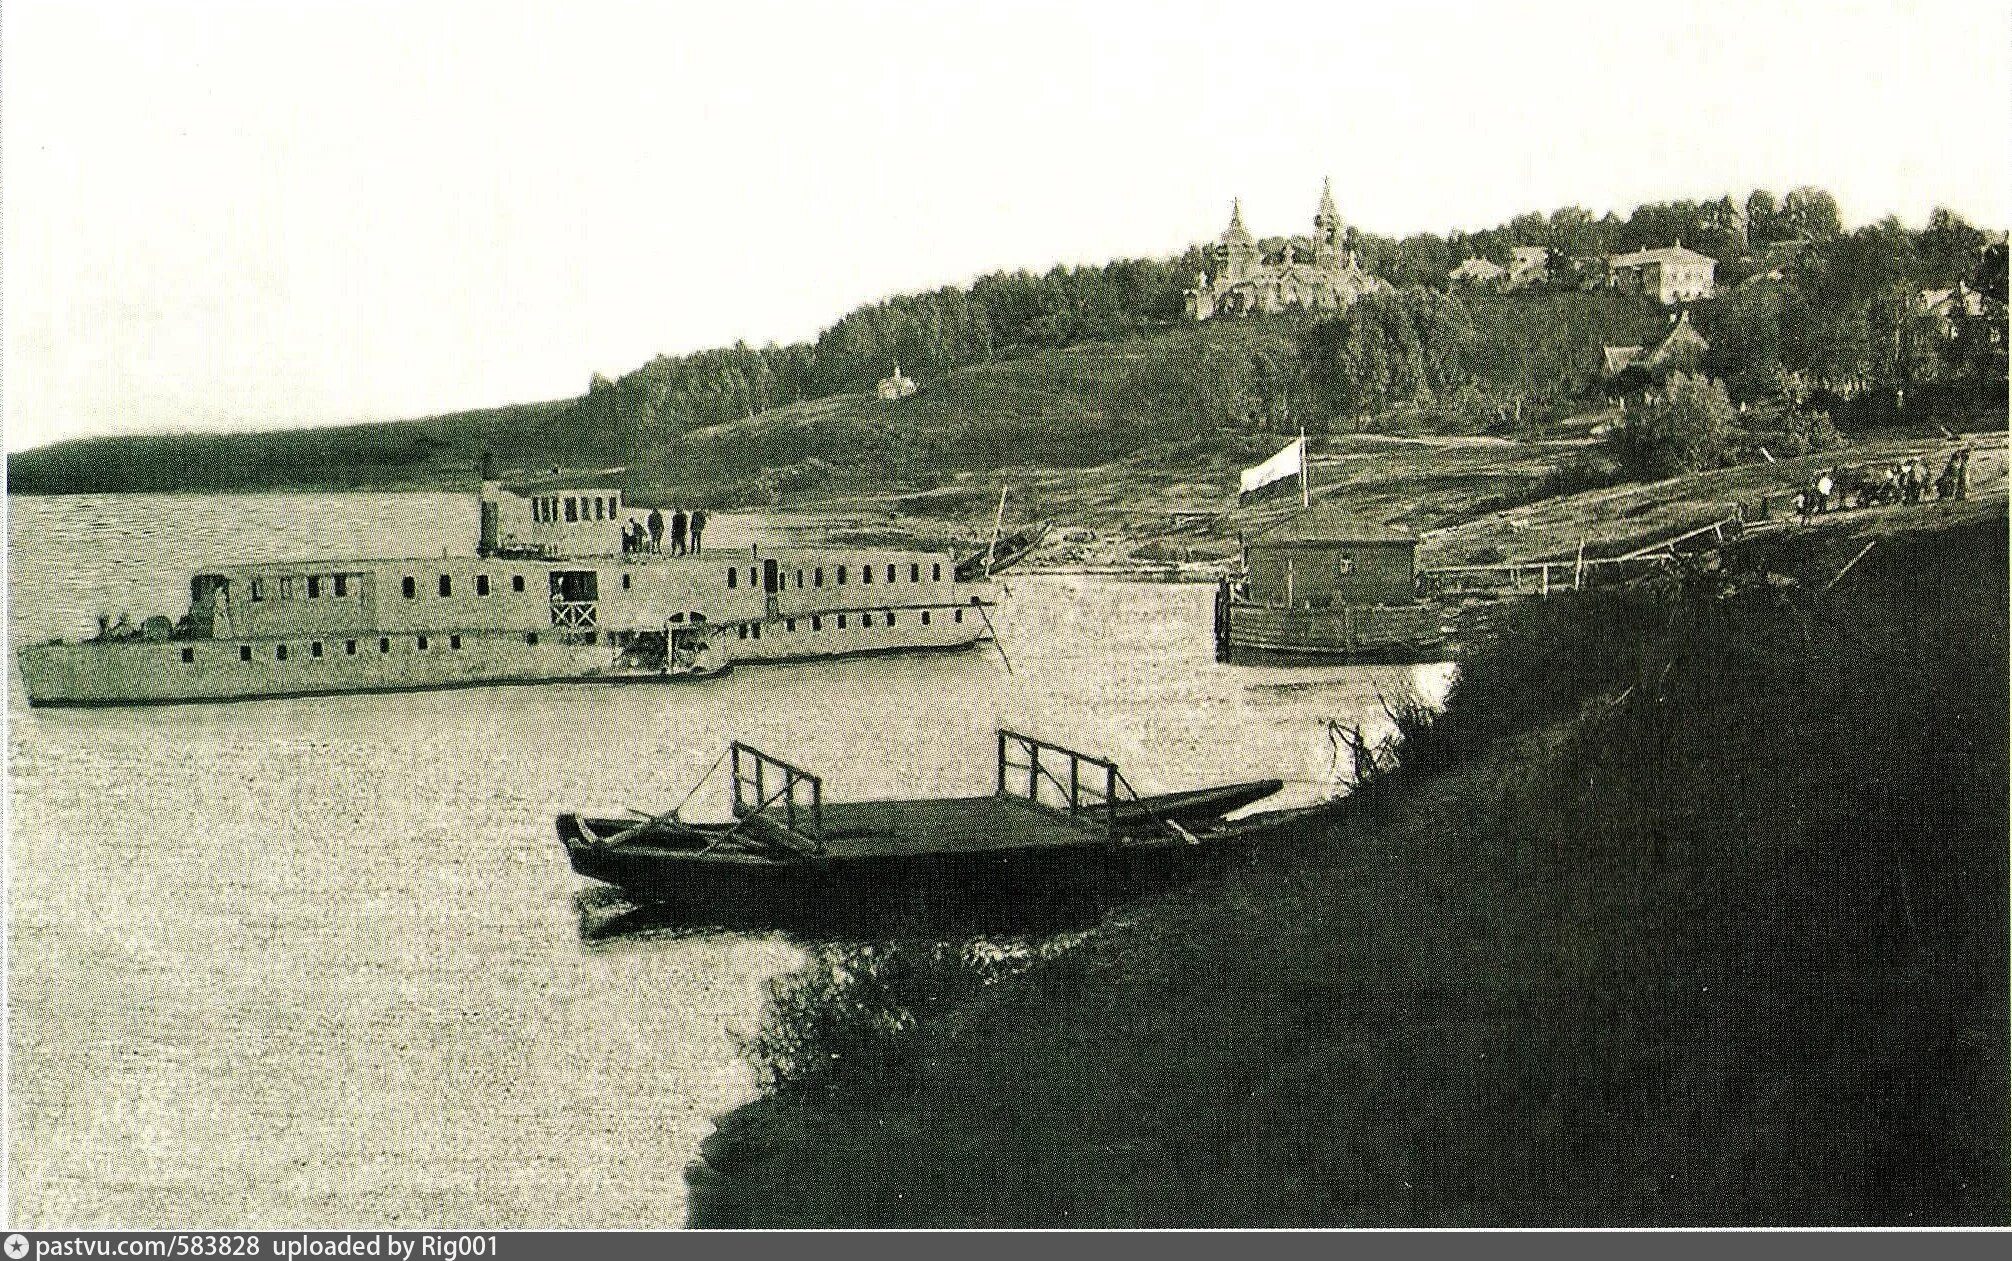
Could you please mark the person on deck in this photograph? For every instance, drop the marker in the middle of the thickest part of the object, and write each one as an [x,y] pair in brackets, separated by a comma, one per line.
[656,530]
[678,520]
[698,527]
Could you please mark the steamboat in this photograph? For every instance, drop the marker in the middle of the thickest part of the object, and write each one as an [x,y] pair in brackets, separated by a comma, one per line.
[558,591]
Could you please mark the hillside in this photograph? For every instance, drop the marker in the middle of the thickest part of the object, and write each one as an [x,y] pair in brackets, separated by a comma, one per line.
[1081,366]
[1688,909]
[1069,407]
[438,452]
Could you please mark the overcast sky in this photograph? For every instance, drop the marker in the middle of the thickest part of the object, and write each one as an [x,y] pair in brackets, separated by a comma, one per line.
[256,214]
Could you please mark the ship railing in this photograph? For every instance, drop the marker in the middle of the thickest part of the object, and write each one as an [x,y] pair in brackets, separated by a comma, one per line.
[574,614]
[1089,791]
[769,788]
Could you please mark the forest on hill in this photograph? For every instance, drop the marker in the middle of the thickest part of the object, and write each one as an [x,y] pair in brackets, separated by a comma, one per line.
[1813,329]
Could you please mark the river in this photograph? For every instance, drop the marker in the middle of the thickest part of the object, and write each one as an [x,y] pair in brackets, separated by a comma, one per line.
[321,962]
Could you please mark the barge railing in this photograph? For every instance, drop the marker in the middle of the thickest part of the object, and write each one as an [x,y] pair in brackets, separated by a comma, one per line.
[1083,794]
[753,773]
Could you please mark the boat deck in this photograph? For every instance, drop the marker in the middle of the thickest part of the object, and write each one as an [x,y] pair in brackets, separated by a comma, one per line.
[888,829]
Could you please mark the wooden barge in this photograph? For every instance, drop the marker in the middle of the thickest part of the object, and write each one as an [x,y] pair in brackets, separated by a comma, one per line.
[1058,821]
[1320,585]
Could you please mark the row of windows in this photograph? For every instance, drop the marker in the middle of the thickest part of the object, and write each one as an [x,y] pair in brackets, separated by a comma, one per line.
[411,585]
[866,622]
[817,575]
[316,649]
[547,509]
[316,586]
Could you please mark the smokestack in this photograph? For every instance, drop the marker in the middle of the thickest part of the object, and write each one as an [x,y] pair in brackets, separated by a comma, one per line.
[486,540]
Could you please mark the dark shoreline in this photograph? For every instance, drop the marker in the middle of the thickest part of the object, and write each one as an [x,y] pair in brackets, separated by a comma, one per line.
[1716,936]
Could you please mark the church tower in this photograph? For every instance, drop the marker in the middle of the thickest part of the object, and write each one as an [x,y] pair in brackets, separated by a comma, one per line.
[1238,254]
[1328,229]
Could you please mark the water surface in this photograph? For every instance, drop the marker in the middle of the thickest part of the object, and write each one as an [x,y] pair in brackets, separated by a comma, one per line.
[320,961]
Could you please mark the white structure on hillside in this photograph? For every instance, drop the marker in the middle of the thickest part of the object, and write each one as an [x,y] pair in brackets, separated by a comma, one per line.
[1669,275]
[896,386]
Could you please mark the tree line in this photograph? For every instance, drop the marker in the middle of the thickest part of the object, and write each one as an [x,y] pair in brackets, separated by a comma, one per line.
[1804,307]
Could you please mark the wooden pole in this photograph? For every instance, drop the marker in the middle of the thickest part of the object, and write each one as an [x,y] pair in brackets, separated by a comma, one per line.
[1847,567]
[1110,800]
[998,520]
[1579,564]
[1304,495]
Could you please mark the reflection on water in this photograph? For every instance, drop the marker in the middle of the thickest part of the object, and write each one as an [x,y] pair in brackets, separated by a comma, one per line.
[321,961]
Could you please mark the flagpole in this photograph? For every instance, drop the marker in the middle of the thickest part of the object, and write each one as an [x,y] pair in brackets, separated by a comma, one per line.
[1303,496]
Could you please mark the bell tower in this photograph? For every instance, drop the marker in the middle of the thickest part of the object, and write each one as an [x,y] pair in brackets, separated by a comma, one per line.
[1328,229]
[1238,252]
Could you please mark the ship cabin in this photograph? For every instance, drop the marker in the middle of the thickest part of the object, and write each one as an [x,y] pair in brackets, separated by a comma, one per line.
[581,595]
[1323,558]
[552,516]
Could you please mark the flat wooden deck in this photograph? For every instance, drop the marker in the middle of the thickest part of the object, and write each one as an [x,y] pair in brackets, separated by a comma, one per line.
[874,829]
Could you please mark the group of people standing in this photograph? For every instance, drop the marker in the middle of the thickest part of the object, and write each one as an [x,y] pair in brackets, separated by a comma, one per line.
[687,531]
[1905,482]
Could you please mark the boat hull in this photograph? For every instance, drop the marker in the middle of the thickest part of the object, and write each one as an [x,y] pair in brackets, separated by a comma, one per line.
[139,672]
[1014,855]
[1382,632]
[752,889]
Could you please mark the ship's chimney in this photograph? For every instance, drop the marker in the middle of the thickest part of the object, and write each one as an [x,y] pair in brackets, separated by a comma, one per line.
[486,541]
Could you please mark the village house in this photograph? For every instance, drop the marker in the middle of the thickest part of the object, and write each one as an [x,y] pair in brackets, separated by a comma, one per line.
[1247,283]
[1477,271]
[896,386]
[1683,350]
[1943,304]
[1528,264]
[1669,275]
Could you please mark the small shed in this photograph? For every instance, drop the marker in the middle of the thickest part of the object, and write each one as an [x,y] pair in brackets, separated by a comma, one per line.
[1323,557]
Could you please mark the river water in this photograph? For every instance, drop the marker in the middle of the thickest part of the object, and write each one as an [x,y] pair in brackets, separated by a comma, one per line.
[321,962]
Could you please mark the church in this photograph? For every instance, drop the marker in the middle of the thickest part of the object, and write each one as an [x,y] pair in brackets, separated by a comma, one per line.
[1246,282]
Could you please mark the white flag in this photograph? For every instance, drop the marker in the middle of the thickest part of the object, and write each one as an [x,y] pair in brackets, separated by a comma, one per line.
[1290,462]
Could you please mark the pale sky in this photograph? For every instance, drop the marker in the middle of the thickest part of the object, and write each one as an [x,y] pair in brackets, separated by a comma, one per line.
[237,215]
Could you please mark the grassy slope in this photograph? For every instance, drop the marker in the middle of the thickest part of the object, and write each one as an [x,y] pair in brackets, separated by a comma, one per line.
[1061,408]
[1708,925]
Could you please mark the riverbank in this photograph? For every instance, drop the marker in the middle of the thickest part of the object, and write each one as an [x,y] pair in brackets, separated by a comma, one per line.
[1468,500]
[1689,909]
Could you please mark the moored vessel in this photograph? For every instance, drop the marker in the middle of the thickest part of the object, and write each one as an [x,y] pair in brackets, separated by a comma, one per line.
[1322,585]
[1058,820]
[563,587]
